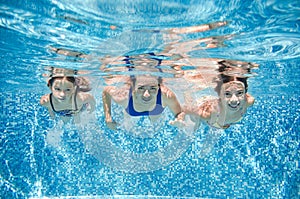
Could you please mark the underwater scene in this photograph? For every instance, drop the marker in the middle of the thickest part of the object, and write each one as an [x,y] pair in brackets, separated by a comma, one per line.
[149,99]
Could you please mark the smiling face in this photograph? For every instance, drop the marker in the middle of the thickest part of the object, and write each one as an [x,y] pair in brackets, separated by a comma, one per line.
[145,90]
[62,89]
[232,95]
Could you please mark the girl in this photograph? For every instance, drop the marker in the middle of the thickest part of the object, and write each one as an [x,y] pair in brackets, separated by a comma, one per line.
[228,109]
[67,98]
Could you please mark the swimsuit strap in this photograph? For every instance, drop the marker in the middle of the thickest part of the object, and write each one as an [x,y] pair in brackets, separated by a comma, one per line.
[153,56]
[129,66]
[158,97]
[52,106]
[75,101]
[51,103]
[127,62]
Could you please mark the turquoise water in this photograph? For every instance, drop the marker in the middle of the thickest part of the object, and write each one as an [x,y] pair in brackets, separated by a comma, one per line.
[41,158]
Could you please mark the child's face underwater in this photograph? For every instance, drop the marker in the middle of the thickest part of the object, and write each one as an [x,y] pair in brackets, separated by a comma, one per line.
[232,96]
[62,89]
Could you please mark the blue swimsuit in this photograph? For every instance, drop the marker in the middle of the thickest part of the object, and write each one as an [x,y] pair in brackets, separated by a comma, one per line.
[158,108]
[156,111]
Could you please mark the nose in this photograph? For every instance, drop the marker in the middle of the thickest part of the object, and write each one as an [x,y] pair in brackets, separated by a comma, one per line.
[234,100]
[146,94]
[62,94]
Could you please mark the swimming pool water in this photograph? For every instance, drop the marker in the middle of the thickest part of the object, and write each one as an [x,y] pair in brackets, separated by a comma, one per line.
[40,158]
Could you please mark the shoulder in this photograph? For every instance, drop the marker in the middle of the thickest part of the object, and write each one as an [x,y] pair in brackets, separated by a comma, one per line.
[45,100]
[117,91]
[250,99]
[83,97]
[166,92]
[119,95]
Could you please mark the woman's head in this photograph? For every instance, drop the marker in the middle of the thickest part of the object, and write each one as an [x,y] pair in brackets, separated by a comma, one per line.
[145,89]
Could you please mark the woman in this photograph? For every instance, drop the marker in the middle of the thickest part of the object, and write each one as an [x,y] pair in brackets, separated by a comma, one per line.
[143,96]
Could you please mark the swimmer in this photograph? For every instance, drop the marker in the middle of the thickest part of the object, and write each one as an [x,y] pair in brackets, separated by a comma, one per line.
[143,95]
[67,99]
[226,110]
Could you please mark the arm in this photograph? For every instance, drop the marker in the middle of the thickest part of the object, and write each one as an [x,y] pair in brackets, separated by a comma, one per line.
[250,100]
[199,28]
[45,102]
[203,112]
[88,99]
[170,100]
[109,93]
[106,99]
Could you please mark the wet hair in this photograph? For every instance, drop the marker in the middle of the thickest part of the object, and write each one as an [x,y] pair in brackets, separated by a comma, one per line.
[223,79]
[82,83]
[133,80]
[227,67]
[68,78]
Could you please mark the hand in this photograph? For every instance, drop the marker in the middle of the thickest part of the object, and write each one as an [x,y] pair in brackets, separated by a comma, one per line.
[206,110]
[179,120]
[112,125]
[44,99]
[90,108]
[177,123]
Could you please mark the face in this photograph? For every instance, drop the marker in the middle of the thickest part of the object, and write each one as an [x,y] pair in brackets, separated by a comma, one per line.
[233,95]
[146,89]
[62,89]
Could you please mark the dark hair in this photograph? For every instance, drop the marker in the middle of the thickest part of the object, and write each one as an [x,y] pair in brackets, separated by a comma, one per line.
[230,70]
[237,66]
[82,82]
[133,80]
[68,78]
[223,79]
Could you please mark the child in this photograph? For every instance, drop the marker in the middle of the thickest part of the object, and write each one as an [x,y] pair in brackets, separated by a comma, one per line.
[67,98]
[228,109]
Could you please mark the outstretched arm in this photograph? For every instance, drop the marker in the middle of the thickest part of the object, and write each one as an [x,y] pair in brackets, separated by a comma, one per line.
[107,98]
[170,100]
[199,28]
[202,112]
